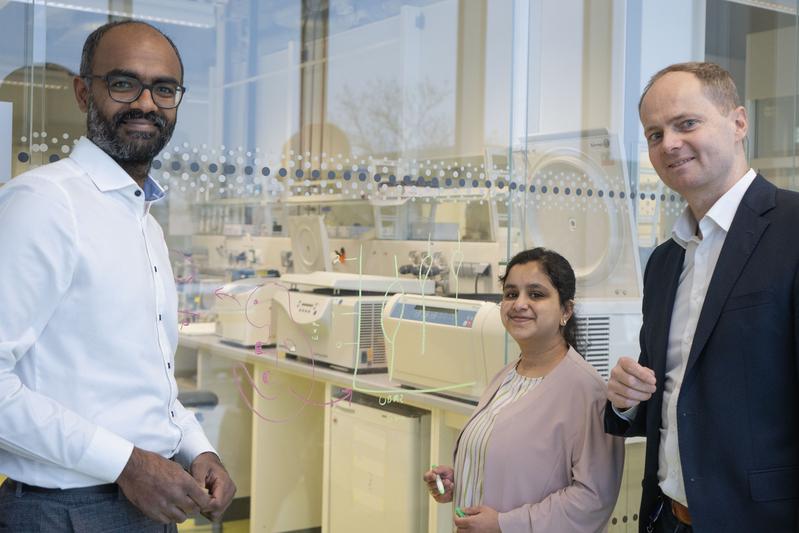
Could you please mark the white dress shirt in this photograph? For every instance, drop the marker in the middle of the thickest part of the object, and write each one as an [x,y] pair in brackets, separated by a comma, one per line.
[88,326]
[702,249]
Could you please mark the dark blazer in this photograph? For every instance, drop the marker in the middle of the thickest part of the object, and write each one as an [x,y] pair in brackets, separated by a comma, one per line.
[738,409]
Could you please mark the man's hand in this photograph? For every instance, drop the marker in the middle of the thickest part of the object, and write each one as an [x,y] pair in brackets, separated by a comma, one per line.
[208,471]
[447,476]
[630,384]
[480,519]
[160,488]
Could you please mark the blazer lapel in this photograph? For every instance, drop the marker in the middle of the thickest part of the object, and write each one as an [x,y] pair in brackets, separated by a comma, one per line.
[745,232]
[671,274]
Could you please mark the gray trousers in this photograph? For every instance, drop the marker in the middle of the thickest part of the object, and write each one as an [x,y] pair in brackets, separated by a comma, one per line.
[24,511]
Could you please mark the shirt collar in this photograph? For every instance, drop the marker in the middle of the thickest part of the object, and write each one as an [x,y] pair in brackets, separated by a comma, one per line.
[152,190]
[721,213]
[106,173]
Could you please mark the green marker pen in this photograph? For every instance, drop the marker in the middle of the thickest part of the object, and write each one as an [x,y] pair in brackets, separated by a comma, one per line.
[439,483]
[460,513]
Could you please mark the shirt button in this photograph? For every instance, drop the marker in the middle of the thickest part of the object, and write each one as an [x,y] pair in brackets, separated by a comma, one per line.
[137,193]
[155,268]
[173,416]
[159,317]
[168,365]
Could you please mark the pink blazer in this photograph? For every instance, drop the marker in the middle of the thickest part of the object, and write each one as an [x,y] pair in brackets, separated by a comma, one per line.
[550,467]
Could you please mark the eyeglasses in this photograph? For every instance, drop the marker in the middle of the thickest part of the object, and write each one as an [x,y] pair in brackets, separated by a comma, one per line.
[127,89]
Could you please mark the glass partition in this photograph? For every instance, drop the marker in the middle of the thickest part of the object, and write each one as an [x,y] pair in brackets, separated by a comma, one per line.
[422,141]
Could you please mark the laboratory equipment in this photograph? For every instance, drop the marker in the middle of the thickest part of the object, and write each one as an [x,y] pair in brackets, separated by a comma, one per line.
[452,345]
[196,309]
[454,235]
[310,245]
[607,329]
[328,231]
[376,456]
[455,346]
[245,314]
[334,318]
[578,203]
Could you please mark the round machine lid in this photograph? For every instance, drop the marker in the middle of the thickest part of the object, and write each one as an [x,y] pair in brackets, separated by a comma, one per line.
[588,230]
[309,243]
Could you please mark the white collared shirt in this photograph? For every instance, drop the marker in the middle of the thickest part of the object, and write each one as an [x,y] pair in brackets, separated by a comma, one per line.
[88,326]
[702,251]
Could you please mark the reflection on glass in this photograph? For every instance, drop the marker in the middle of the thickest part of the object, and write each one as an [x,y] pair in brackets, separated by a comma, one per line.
[390,122]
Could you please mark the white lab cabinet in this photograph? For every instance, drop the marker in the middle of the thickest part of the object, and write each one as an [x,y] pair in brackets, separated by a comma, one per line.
[377,454]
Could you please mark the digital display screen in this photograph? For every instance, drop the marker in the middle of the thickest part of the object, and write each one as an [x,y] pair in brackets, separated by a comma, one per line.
[461,318]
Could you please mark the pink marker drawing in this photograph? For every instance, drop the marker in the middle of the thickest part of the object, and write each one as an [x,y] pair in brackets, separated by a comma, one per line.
[189,316]
[249,404]
[219,294]
[346,395]
[187,261]
[237,379]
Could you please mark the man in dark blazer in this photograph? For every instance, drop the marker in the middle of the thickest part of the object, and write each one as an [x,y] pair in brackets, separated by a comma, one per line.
[716,387]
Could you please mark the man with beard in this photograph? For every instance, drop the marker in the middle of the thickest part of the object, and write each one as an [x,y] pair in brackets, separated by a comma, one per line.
[92,436]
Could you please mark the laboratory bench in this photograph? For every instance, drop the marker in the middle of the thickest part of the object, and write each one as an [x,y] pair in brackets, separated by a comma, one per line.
[273,421]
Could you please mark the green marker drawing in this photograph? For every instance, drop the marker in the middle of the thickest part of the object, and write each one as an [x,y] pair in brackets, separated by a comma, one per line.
[355,385]
[457,258]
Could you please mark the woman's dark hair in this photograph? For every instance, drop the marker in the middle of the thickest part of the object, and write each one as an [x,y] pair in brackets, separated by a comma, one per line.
[560,274]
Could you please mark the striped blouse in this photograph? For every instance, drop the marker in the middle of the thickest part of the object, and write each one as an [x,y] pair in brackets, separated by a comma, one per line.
[470,458]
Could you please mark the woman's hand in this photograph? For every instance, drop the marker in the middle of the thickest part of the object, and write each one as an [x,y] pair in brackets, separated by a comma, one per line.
[447,476]
[480,519]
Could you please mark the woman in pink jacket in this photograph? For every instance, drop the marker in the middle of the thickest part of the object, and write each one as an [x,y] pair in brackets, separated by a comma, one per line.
[534,456]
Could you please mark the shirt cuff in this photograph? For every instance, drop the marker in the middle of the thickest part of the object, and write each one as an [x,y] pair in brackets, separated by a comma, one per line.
[192,445]
[106,456]
[628,415]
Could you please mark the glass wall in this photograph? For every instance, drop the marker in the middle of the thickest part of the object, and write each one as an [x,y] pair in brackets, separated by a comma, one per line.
[419,140]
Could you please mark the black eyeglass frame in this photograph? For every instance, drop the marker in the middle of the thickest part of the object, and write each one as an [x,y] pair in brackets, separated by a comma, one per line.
[180,89]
